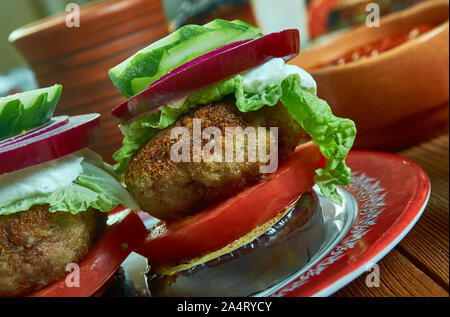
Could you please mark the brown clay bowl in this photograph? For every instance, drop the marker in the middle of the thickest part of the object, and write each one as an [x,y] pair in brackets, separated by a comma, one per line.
[103,50]
[399,97]
[99,22]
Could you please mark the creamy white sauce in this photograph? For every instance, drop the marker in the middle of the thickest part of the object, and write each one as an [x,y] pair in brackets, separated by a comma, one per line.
[274,72]
[42,179]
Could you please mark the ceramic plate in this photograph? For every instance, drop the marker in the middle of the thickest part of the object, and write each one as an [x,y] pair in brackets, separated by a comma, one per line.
[391,193]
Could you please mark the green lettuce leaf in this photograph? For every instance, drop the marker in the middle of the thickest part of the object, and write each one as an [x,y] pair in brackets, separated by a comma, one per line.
[110,193]
[94,187]
[333,135]
[73,199]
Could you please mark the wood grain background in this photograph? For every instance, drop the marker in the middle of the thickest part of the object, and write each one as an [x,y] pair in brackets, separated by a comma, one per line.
[419,265]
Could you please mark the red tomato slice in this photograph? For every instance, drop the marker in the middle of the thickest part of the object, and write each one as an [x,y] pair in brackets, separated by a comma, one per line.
[112,248]
[217,226]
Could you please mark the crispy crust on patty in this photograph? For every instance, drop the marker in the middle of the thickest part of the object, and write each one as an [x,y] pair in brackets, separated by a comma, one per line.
[169,190]
[36,246]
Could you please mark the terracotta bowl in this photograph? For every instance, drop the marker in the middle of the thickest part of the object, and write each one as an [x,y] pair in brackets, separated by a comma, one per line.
[399,97]
[79,58]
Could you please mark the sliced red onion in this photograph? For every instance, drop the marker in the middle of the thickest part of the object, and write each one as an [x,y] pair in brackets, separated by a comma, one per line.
[212,67]
[62,136]
[34,132]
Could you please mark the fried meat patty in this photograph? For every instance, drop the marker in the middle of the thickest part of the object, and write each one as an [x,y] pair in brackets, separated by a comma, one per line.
[170,190]
[36,245]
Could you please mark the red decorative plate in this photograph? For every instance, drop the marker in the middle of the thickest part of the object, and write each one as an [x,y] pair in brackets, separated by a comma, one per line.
[391,193]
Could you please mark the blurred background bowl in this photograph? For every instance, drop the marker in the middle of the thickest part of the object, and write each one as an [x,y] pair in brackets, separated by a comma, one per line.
[399,97]
[79,57]
[110,31]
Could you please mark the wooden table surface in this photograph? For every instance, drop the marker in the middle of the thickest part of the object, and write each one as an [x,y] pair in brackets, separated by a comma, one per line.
[419,265]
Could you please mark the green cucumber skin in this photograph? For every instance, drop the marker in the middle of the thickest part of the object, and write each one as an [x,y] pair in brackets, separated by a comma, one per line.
[180,54]
[140,70]
[18,115]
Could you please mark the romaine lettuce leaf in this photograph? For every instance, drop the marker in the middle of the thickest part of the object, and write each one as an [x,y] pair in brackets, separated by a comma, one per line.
[73,198]
[110,193]
[94,187]
[333,135]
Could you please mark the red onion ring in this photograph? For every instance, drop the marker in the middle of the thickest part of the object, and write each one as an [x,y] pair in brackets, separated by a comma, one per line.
[62,136]
[212,67]
[37,131]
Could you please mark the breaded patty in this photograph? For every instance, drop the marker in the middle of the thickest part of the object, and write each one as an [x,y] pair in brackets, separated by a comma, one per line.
[170,190]
[36,246]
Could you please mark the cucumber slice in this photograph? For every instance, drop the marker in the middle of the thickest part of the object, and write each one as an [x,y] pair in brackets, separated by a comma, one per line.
[27,110]
[151,63]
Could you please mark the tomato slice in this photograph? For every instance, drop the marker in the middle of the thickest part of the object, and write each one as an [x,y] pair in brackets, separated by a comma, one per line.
[111,249]
[217,226]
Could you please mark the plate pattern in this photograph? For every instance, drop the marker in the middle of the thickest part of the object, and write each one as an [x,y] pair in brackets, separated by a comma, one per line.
[371,198]
[391,192]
